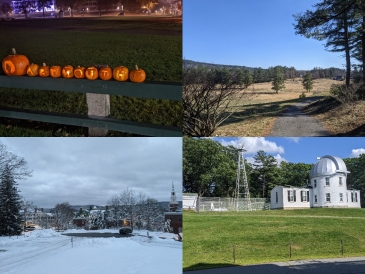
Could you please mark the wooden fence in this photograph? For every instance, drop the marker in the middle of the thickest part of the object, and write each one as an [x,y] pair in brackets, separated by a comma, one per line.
[152,90]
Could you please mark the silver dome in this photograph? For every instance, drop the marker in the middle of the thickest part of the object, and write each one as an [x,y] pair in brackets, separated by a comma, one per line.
[328,165]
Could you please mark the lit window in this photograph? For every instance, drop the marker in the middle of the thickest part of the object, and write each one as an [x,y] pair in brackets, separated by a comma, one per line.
[341,197]
[328,197]
[327,181]
[340,181]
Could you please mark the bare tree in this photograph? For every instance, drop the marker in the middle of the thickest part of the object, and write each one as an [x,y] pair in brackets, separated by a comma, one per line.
[16,164]
[129,202]
[115,206]
[210,95]
[63,215]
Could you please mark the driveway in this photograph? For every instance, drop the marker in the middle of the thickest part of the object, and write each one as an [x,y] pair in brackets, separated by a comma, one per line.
[98,235]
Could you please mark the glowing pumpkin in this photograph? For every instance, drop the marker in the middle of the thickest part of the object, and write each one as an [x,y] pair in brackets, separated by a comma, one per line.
[91,73]
[68,71]
[79,72]
[120,73]
[137,75]
[55,71]
[43,71]
[105,73]
[32,70]
[15,64]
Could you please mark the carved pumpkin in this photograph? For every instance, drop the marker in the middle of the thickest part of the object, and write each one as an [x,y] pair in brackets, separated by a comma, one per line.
[91,73]
[43,71]
[32,70]
[55,71]
[120,73]
[79,72]
[105,73]
[68,71]
[137,75]
[15,64]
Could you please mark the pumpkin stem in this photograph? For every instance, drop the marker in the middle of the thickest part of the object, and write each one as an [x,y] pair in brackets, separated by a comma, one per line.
[13,51]
[136,67]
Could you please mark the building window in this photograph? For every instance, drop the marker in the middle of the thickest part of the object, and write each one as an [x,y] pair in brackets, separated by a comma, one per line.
[304,196]
[315,199]
[355,197]
[291,196]
[328,197]
[315,183]
[341,197]
[327,181]
[180,218]
[340,181]
[352,197]
[276,197]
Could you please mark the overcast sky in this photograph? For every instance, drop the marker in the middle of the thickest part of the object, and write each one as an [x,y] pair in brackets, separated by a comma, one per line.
[89,171]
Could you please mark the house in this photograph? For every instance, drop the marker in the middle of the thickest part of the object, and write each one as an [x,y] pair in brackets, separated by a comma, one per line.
[175,221]
[327,187]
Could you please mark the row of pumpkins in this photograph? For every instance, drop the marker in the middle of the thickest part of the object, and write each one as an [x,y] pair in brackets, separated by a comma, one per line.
[18,65]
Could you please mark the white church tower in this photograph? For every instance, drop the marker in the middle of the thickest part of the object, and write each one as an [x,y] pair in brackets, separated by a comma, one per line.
[173,202]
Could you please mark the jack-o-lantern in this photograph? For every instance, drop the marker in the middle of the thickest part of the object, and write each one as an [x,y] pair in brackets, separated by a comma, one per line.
[79,72]
[32,70]
[55,71]
[43,71]
[120,73]
[105,73]
[91,73]
[137,75]
[15,64]
[68,71]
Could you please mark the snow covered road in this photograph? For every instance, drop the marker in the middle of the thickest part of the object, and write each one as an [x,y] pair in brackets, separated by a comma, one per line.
[46,251]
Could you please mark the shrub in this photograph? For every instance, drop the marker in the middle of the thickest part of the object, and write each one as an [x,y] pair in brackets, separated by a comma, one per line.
[302,96]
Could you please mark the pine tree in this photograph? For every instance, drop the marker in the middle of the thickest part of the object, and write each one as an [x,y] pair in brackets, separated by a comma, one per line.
[278,79]
[10,204]
[307,82]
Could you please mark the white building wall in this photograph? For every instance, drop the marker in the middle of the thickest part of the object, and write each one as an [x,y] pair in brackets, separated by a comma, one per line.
[284,202]
[353,201]
[279,203]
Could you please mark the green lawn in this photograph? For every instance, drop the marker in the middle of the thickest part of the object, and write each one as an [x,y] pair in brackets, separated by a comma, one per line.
[265,236]
[155,44]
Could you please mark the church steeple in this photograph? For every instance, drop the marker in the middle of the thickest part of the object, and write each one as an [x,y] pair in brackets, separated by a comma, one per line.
[173,203]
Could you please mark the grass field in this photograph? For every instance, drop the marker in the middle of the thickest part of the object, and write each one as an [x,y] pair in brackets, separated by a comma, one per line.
[256,116]
[154,43]
[265,236]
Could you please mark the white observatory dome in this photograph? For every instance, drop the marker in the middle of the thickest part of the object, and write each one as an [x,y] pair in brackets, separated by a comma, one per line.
[328,165]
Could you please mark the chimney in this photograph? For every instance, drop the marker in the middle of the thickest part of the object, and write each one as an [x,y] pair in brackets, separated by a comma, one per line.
[106,207]
[35,210]
[91,207]
[42,209]
[80,210]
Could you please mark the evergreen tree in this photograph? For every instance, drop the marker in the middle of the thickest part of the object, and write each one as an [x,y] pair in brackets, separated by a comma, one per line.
[307,82]
[10,204]
[277,79]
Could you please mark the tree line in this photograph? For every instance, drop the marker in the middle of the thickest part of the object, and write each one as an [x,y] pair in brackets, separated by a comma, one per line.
[209,169]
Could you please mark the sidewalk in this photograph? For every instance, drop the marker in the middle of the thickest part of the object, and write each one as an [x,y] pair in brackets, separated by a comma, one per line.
[321,266]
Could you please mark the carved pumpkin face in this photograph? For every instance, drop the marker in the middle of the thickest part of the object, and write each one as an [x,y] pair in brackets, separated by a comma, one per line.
[120,73]
[32,70]
[105,73]
[15,64]
[91,73]
[43,71]
[137,75]
[55,71]
[79,72]
[68,71]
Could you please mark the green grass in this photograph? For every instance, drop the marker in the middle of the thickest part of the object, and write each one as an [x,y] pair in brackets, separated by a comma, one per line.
[154,44]
[264,236]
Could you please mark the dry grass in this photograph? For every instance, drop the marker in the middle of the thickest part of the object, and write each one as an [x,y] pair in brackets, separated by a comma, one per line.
[340,119]
[256,116]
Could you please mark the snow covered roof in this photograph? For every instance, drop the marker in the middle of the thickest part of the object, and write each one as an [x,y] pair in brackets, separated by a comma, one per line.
[328,165]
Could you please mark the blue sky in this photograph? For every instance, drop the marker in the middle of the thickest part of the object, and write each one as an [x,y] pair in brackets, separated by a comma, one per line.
[304,150]
[251,33]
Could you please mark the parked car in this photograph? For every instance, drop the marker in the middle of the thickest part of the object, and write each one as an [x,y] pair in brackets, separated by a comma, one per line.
[125,230]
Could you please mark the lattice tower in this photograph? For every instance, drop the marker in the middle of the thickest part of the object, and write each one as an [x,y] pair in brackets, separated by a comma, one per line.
[241,181]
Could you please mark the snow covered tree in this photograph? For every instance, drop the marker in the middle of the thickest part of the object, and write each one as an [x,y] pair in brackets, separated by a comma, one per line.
[10,204]
[97,220]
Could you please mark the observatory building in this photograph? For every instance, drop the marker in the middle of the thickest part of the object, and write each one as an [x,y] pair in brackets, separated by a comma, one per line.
[327,187]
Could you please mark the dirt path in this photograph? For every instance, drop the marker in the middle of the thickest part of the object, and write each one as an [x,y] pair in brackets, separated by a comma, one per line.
[294,122]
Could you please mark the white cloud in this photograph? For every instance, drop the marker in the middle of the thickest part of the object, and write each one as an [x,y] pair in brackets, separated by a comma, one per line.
[279,159]
[356,152]
[254,144]
[293,139]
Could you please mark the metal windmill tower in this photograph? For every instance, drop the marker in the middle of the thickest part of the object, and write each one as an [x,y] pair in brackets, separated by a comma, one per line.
[241,181]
